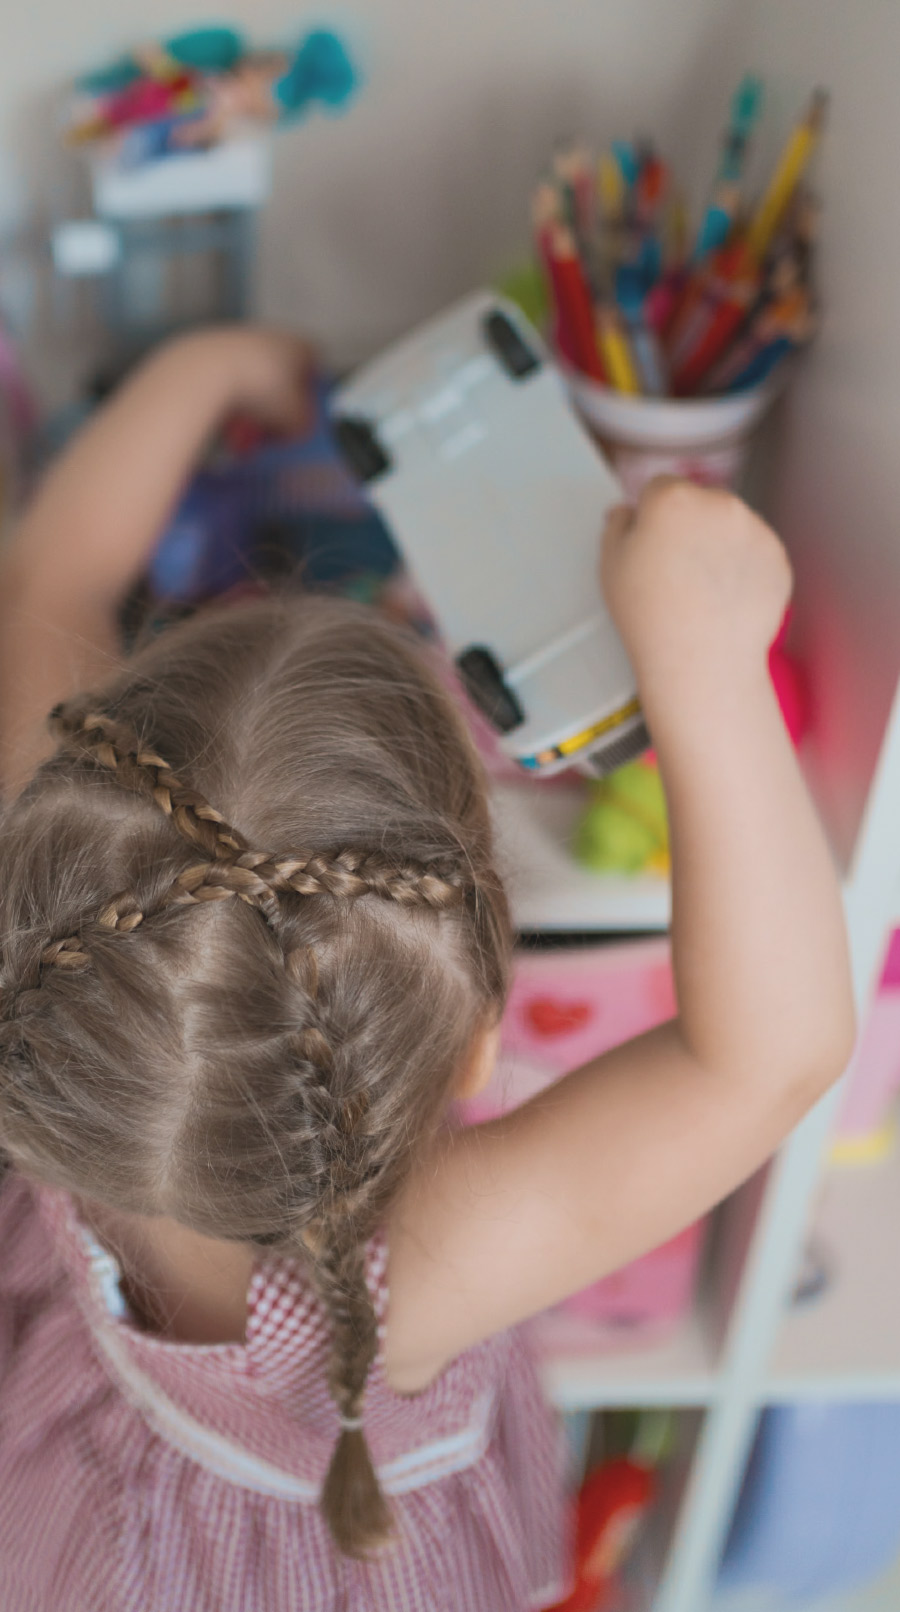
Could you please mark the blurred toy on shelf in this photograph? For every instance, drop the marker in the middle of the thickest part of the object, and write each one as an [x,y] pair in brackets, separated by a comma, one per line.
[266,509]
[179,149]
[642,1303]
[819,1510]
[612,1505]
[194,89]
[789,683]
[642,309]
[624,828]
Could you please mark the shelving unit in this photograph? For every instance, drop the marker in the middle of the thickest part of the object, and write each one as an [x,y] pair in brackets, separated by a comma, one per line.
[846,1344]
[742,1348]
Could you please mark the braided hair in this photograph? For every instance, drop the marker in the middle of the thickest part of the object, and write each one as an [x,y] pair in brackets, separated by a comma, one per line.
[253,1029]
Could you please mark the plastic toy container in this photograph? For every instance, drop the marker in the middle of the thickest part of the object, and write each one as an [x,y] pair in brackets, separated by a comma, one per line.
[235,174]
[705,439]
[566,1007]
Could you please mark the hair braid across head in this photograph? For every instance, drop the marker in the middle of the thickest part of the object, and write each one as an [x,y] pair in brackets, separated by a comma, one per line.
[137,766]
[346,874]
[230,868]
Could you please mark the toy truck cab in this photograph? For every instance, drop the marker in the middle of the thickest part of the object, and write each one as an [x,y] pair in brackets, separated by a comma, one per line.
[466,441]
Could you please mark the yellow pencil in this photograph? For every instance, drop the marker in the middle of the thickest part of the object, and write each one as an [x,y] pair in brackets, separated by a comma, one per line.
[610,188]
[788,173]
[675,232]
[617,359]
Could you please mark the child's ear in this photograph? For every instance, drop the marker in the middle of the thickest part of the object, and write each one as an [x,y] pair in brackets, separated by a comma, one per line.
[480,1063]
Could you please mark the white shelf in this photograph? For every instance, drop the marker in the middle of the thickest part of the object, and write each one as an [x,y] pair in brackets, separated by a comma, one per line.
[846,1344]
[548,888]
[235,174]
[580,1373]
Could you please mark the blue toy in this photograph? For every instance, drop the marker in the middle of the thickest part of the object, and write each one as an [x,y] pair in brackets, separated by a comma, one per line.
[262,509]
[819,1511]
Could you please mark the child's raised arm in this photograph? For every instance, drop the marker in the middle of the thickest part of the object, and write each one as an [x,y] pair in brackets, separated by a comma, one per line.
[94,521]
[621,1154]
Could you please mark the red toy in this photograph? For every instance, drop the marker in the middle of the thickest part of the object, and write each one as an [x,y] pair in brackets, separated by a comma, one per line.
[790,685]
[611,1504]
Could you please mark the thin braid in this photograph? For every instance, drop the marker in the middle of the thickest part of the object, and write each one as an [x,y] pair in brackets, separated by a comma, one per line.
[346,1164]
[353,1502]
[349,1164]
[349,873]
[259,885]
[114,746]
[232,869]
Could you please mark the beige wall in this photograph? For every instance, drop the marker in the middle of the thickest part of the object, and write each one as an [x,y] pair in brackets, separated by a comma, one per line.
[836,489]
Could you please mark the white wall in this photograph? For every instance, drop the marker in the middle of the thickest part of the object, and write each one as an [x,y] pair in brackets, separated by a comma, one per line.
[422,189]
[836,493]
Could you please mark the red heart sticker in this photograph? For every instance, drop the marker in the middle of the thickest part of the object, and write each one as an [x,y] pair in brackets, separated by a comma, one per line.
[548,1016]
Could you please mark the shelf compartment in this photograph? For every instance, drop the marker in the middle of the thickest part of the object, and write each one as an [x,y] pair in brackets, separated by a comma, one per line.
[582,1370]
[846,1343]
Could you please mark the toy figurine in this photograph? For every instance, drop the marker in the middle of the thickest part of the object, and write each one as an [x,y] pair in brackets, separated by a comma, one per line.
[623,828]
[612,1503]
[193,90]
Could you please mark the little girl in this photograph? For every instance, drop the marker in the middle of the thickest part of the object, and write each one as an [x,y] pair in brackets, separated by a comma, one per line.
[256,1294]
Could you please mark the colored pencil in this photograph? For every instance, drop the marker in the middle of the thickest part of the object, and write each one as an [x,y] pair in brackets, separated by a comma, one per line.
[573,301]
[726,195]
[645,346]
[616,352]
[789,171]
[726,317]
[635,307]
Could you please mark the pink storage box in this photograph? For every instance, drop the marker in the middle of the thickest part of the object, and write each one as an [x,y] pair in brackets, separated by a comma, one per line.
[875,1076]
[566,1007]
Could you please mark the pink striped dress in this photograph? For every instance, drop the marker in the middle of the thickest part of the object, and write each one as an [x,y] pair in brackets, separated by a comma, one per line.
[140,1475]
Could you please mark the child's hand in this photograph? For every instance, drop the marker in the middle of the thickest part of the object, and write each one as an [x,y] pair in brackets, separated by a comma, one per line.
[694,581]
[272,372]
[250,369]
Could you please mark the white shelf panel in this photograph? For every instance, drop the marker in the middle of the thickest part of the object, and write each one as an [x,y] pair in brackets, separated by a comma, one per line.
[581,1373]
[846,1344]
[548,888]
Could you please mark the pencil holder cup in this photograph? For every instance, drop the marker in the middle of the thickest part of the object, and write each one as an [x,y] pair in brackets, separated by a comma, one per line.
[703,439]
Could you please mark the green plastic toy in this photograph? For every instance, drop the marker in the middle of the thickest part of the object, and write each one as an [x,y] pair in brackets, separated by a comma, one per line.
[624,828]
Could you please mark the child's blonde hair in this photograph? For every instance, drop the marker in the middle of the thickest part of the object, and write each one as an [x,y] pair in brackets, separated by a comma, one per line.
[250,927]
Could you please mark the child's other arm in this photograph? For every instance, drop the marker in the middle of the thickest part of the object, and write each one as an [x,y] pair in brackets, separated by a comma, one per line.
[627,1150]
[92,525]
